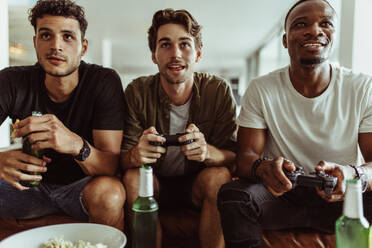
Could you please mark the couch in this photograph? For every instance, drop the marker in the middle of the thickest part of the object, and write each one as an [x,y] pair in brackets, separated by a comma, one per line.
[180,230]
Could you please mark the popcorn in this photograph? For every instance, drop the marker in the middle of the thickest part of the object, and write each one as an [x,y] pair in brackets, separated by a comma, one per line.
[61,243]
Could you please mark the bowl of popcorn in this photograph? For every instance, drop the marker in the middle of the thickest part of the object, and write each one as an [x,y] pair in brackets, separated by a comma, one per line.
[76,235]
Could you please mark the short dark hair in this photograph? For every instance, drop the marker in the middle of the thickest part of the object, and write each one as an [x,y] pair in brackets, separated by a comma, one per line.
[66,8]
[298,3]
[182,17]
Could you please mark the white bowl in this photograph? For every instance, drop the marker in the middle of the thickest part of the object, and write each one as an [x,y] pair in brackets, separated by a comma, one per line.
[93,233]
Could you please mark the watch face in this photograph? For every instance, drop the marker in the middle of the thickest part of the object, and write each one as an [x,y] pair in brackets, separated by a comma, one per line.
[363,179]
[84,152]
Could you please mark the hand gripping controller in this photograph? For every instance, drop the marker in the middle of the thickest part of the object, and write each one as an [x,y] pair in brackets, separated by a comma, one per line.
[171,140]
[315,179]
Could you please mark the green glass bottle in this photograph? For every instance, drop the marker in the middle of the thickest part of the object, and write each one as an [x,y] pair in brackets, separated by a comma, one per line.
[145,210]
[352,228]
[26,148]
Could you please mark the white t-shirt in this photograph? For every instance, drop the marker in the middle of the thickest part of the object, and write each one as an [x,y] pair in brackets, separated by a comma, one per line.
[307,130]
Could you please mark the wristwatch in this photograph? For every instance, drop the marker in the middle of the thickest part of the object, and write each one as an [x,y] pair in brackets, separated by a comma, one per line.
[359,174]
[254,168]
[84,152]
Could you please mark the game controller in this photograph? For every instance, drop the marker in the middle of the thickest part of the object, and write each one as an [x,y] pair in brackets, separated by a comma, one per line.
[171,140]
[314,179]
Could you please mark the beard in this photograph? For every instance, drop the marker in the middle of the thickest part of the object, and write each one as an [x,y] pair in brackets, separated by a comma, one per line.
[312,61]
[68,71]
[65,73]
[174,81]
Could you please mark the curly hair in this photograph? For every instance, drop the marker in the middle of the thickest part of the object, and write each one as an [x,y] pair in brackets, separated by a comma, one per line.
[65,8]
[182,17]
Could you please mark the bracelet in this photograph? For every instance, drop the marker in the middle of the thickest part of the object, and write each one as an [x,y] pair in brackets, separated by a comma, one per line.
[360,176]
[255,166]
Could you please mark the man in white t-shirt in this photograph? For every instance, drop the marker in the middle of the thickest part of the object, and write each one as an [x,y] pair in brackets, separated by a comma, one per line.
[310,114]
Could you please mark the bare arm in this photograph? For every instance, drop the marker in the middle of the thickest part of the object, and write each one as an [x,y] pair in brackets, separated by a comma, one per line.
[251,143]
[344,172]
[48,131]
[365,144]
[218,157]
[104,155]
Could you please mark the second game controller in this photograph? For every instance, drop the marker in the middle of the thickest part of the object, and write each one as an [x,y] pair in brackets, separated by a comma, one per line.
[315,179]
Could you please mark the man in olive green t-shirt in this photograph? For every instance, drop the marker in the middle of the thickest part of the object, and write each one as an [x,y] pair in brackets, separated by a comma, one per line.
[179,100]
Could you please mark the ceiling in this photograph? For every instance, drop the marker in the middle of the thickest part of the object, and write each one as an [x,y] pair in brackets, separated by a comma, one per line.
[232,30]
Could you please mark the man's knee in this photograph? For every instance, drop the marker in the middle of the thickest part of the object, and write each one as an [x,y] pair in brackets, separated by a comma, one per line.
[235,195]
[211,179]
[131,180]
[104,192]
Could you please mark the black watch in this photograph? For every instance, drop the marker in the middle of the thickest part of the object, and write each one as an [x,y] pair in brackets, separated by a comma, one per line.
[84,152]
[254,168]
[359,174]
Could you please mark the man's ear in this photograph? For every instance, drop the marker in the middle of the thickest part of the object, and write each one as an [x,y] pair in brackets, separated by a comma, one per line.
[198,55]
[34,40]
[84,47]
[284,40]
[154,58]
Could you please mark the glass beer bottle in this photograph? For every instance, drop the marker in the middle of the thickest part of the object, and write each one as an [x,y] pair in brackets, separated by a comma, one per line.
[26,148]
[145,210]
[352,228]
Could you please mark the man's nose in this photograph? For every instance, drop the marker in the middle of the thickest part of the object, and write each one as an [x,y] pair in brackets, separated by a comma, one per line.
[56,43]
[176,51]
[314,30]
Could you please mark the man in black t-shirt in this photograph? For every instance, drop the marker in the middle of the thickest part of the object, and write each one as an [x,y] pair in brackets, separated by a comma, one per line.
[80,129]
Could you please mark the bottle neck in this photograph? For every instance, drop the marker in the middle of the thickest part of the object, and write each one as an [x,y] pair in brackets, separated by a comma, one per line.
[353,203]
[146,188]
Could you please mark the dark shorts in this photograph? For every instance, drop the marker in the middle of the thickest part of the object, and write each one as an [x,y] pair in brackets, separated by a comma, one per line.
[176,192]
[43,200]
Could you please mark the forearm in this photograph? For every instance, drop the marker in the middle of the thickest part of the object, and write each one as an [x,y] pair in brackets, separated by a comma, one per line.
[218,157]
[244,163]
[127,159]
[100,162]
[104,154]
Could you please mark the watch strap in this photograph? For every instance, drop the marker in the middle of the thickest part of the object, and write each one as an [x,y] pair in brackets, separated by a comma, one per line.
[359,174]
[254,168]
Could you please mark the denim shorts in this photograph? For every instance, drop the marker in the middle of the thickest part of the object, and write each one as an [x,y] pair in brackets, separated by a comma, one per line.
[43,200]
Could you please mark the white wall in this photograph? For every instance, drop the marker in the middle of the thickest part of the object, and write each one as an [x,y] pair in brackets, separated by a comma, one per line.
[363,37]
[356,35]
[4,61]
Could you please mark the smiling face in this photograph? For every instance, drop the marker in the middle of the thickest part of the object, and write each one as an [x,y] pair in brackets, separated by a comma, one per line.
[310,32]
[175,54]
[58,44]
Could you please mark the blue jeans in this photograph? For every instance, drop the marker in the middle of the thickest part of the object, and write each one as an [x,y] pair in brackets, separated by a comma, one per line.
[246,209]
[43,200]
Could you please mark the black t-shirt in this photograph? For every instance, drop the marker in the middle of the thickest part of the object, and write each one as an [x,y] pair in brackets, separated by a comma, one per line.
[96,103]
